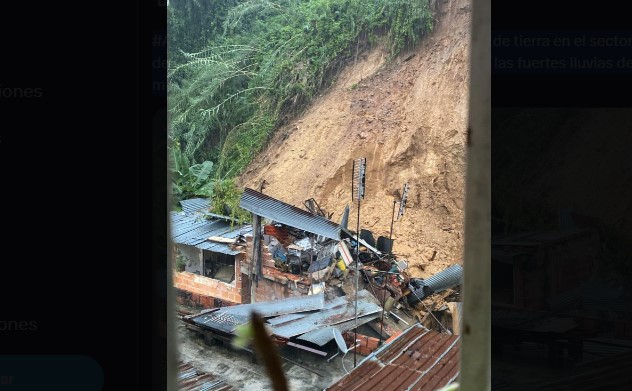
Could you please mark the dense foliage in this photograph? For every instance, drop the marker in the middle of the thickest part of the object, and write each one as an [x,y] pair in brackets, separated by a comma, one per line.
[239,69]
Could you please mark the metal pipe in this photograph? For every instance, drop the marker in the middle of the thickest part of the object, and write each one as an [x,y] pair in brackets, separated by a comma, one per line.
[391,312]
[320,352]
[383,304]
[330,358]
[447,278]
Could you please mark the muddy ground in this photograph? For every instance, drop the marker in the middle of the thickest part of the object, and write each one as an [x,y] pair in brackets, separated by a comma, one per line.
[408,118]
[238,369]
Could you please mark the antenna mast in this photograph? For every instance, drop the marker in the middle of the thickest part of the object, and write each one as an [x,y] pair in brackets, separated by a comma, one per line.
[357,194]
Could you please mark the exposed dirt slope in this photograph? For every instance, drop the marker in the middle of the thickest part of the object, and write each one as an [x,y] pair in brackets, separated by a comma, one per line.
[409,120]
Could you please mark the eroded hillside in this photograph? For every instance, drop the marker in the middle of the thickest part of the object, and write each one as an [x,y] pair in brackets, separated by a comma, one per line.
[409,120]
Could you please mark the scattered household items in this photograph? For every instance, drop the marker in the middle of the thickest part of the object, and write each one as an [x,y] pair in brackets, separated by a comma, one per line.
[306,244]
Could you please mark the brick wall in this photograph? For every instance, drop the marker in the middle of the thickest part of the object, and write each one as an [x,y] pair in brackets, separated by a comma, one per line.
[274,284]
[206,290]
[367,344]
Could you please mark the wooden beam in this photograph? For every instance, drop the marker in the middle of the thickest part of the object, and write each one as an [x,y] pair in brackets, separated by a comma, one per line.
[475,374]
[456,317]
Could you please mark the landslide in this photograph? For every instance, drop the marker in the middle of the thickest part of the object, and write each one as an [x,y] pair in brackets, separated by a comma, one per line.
[408,118]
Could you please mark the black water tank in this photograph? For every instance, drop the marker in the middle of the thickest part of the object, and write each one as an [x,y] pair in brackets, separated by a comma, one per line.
[385,244]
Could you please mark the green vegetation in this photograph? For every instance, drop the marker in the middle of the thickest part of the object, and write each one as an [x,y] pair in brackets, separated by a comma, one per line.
[239,69]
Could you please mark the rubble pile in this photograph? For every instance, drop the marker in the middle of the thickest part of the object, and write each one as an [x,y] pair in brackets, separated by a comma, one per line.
[322,263]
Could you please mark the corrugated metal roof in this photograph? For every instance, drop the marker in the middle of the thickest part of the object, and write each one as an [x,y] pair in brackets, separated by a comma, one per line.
[338,301]
[287,318]
[192,379]
[334,315]
[193,205]
[223,320]
[282,306]
[418,359]
[297,315]
[226,319]
[321,336]
[266,206]
[194,230]
[445,279]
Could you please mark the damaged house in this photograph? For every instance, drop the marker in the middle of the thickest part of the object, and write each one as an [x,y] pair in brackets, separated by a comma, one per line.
[305,252]
[288,252]
[208,256]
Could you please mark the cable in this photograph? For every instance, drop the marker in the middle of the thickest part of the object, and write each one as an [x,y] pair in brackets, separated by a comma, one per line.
[430,312]
[343,362]
[343,356]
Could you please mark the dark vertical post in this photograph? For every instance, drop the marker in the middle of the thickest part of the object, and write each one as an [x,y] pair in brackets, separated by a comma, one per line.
[476,337]
[390,235]
[256,251]
[383,304]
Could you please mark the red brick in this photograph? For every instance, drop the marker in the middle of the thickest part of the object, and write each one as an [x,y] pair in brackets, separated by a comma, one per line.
[268,263]
[211,291]
[372,343]
[392,337]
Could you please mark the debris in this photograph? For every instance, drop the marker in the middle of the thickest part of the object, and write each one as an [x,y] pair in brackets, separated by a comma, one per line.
[455,311]
[445,279]
[316,288]
[220,239]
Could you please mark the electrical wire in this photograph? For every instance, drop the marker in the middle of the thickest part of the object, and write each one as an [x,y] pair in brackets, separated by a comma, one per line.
[343,363]
[430,312]
[345,353]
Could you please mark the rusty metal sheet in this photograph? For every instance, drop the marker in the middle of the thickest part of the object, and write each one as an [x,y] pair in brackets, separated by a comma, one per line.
[418,359]
[321,336]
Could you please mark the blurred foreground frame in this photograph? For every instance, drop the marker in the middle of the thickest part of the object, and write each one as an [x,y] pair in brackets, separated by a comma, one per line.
[476,335]
[476,338]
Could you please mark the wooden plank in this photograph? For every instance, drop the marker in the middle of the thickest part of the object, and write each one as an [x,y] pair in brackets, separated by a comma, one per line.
[456,317]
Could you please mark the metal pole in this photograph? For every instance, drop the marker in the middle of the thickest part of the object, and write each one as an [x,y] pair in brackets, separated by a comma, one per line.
[355,334]
[390,235]
[383,304]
